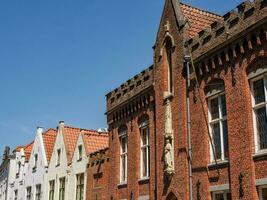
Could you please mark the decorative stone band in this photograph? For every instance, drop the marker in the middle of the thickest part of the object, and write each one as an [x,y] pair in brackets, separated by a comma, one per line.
[146,197]
[219,188]
[262,181]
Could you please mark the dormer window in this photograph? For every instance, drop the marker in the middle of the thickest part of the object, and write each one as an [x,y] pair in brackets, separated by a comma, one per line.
[58,156]
[80,152]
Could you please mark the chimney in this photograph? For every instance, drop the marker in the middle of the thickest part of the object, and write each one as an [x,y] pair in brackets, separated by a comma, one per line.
[40,130]
[61,125]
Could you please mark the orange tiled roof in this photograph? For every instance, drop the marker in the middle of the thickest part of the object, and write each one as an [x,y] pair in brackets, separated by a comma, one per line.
[198,19]
[18,148]
[95,141]
[49,138]
[28,150]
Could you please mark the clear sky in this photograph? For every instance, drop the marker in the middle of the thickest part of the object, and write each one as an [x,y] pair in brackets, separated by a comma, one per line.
[58,58]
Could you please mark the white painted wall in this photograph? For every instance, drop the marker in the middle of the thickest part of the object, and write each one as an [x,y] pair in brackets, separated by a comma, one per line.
[56,172]
[37,176]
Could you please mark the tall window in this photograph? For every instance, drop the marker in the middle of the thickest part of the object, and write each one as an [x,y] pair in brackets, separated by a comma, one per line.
[28,193]
[123,156]
[62,188]
[263,192]
[221,195]
[79,186]
[51,189]
[218,126]
[18,168]
[58,156]
[168,48]
[16,195]
[259,103]
[38,192]
[80,152]
[145,156]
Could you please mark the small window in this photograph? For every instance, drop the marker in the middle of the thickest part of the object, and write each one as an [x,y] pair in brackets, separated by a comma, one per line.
[16,195]
[28,193]
[38,192]
[35,161]
[263,192]
[221,195]
[259,102]
[145,151]
[62,182]
[218,127]
[58,156]
[18,168]
[80,152]
[51,189]
[79,186]
[123,156]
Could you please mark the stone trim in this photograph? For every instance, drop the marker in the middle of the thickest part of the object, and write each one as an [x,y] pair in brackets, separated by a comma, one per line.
[146,197]
[260,182]
[219,188]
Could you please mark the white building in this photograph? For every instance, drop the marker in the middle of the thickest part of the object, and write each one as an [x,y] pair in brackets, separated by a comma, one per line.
[7,174]
[36,172]
[66,179]
[17,185]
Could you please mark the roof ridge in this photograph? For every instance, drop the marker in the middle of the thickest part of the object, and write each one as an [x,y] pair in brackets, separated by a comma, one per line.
[103,134]
[201,9]
[76,128]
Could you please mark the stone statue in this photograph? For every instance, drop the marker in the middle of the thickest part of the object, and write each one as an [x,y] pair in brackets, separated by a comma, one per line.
[168,157]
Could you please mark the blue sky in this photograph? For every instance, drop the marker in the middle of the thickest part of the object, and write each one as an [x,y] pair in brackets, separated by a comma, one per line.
[58,58]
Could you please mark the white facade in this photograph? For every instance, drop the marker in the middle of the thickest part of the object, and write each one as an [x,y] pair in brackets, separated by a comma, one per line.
[58,167]
[7,175]
[17,186]
[37,168]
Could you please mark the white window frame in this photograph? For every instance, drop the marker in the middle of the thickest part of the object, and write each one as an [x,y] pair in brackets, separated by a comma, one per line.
[260,191]
[122,135]
[260,105]
[224,192]
[144,126]
[221,119]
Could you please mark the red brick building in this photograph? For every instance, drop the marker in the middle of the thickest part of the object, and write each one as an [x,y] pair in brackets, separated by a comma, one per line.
[147,115]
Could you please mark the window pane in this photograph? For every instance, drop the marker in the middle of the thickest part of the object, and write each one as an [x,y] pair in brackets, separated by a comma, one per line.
[123,144]
[214,108]
[264,194]
[144,137]
[258,89]
[229,197]
[219,196]
[223,104]
[225,138]
[144,162]
[262,127]
[216,140]
[123,168]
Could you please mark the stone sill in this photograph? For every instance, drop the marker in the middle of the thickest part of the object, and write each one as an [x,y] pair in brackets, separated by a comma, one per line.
[143,180]
[122,185]
[261,155]
[220,164]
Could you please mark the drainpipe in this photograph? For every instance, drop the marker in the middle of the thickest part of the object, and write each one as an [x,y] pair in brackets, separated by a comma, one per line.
[187,61]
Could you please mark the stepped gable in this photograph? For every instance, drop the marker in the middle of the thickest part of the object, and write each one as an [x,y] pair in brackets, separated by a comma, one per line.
[130,88]
[95,141]
[49,138]
[198,19]
[27,151]
[236,23]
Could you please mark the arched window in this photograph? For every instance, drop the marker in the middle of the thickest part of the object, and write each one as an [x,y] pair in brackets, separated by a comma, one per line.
[215,94]
[144,147]
[168,49]
[258,85]
[123,154]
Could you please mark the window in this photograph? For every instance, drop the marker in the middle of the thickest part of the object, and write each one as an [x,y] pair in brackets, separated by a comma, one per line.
[218,126]
[18,169]
[145,157]
[62,188]
[38,192]
[58,156]
[79,186]
[258,88]
[80,152]
[263,193]
[35,160]
[51,189]
[28,193]
[168,48]
[221,195]
[16,195]
[123,156]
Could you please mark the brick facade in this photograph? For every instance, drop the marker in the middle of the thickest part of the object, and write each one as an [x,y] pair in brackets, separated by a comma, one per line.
[226,52]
